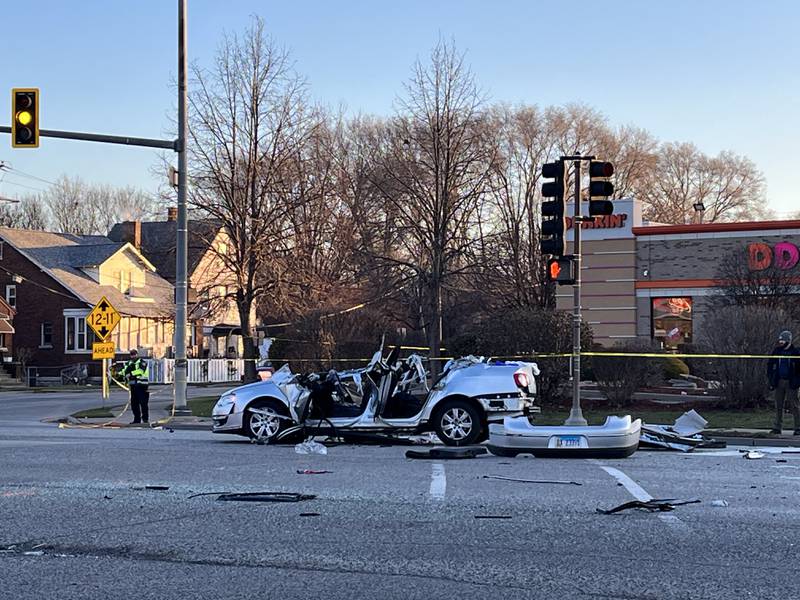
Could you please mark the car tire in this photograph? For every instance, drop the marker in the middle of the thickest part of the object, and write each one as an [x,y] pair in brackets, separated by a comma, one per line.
[257,426]
[458,423]
[503,452]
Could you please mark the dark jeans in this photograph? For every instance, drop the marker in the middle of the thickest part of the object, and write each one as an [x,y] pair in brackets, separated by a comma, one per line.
[139,399]
[786,395]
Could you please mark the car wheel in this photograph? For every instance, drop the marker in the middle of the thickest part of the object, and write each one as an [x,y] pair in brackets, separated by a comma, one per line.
[265,427]
[458,423]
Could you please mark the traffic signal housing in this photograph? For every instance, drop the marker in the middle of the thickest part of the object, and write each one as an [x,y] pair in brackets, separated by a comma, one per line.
[600,186]
[25,117]
[561,270]
[554,222]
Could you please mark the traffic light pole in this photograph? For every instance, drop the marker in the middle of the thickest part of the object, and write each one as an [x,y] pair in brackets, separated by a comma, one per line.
[576,414]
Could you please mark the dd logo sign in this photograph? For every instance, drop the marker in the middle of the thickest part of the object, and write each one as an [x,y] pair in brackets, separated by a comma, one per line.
[760,256]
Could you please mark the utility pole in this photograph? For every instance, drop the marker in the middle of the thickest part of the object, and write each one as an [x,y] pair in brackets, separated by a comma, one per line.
[182,243]
[576,414]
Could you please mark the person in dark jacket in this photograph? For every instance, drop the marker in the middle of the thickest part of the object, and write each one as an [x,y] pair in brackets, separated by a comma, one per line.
[783,374]
[136,372]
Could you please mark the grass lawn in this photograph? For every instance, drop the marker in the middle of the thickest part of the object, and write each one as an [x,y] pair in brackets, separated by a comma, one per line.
[98,413]
[717,419]
[202,405]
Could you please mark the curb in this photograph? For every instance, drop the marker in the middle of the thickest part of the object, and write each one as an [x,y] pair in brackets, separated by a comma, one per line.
[191,425]
[769,442]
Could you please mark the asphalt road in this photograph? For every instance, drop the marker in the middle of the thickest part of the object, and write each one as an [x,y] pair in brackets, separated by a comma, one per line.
[79,522]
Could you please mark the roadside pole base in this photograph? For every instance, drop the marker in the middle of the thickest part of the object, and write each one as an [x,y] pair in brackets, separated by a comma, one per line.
[182,412]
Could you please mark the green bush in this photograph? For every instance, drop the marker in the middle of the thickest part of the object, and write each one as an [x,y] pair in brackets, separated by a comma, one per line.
[674,367]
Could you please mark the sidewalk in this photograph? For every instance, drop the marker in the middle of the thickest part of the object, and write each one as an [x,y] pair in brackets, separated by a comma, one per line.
[754,437]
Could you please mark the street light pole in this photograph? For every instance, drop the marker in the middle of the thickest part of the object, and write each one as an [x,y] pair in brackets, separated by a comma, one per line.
[182,243]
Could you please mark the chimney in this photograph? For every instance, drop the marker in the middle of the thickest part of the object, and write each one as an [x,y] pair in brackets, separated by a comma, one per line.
[172,213]
[132,233]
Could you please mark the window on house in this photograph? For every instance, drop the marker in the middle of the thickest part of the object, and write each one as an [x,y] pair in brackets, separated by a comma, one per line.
[11,295]
[46,335]
[78,338]
[3,341]
[1,250]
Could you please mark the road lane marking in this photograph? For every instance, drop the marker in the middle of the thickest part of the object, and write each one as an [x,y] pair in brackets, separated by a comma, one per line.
[438,482]
[638,492]
[633,488]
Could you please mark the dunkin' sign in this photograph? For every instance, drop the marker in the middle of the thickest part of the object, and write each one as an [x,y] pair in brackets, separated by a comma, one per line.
[784,256]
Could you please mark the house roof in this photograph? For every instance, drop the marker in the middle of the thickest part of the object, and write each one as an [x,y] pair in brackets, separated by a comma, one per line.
[159,240]
[63,256]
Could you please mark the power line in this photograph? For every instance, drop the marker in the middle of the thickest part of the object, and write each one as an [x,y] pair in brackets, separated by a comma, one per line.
[14,170]
[6,181]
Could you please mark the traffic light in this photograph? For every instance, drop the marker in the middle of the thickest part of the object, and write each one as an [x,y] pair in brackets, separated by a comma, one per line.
[561,270]
[554,223]
[599,185]
[25,118]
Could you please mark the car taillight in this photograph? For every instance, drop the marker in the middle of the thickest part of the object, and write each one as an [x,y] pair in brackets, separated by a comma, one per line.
[521,379]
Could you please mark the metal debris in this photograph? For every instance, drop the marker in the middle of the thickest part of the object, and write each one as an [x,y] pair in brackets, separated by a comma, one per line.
[265,497]
[684,435]
[720,503]
[311,472]
[444,452]
[664,505]
[754,455]
[493,516]
[553,481]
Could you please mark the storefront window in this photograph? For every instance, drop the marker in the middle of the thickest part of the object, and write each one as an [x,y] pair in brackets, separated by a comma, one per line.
[672,321]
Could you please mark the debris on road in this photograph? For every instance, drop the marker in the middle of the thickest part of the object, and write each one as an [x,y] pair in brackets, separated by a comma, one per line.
[310,447]
[493,516]
[311,472]
[720,503]
[684,435]
[754,455]
[664,505]
[309,514]
[553,481]
[265,497]
[448,453]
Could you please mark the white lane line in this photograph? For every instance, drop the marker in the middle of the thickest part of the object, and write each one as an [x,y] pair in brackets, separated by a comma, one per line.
[438,482]
[634,488]
[640,494]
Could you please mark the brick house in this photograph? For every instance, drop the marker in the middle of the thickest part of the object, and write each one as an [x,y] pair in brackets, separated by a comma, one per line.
[52,280]
[211,284]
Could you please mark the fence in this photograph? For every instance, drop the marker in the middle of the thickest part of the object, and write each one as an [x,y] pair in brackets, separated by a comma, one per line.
[214,370]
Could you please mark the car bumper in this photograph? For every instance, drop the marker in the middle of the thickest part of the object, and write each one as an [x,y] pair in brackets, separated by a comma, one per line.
[230,423]
[508,405]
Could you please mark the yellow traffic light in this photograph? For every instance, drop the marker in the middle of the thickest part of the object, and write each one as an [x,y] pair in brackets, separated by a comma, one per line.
[25,117]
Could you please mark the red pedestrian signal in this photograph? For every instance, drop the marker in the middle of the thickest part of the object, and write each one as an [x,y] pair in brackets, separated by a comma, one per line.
[561,270]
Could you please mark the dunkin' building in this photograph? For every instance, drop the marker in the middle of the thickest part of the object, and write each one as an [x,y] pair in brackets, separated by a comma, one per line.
[653,281]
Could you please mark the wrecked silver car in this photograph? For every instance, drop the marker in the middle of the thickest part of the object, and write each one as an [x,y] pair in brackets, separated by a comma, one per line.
[388,397]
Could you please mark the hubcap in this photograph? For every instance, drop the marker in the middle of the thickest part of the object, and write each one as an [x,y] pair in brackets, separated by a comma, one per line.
[456,423]
[265,426]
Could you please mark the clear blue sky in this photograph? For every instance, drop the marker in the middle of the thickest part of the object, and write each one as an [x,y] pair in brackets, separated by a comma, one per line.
[724,74]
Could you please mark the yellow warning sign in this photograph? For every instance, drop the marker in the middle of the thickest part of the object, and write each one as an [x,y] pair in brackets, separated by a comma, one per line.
[103,319]
[102,350]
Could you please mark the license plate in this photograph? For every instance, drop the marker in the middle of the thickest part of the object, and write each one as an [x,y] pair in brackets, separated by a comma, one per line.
[568,441]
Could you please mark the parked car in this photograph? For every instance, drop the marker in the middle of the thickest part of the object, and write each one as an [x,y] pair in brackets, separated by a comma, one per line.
[389,397]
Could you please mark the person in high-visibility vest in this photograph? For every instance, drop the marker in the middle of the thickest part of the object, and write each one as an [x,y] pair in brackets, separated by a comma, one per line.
[136,373]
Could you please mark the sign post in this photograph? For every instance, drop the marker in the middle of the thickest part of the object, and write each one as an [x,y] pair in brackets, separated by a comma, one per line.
[103,320]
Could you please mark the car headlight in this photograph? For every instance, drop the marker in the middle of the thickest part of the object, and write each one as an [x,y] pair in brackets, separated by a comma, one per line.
[226,402]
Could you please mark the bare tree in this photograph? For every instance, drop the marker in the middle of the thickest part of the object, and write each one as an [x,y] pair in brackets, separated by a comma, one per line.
[772,286]
[76,206]
[28,213]
[729,186]
[249,122]
[433,171]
